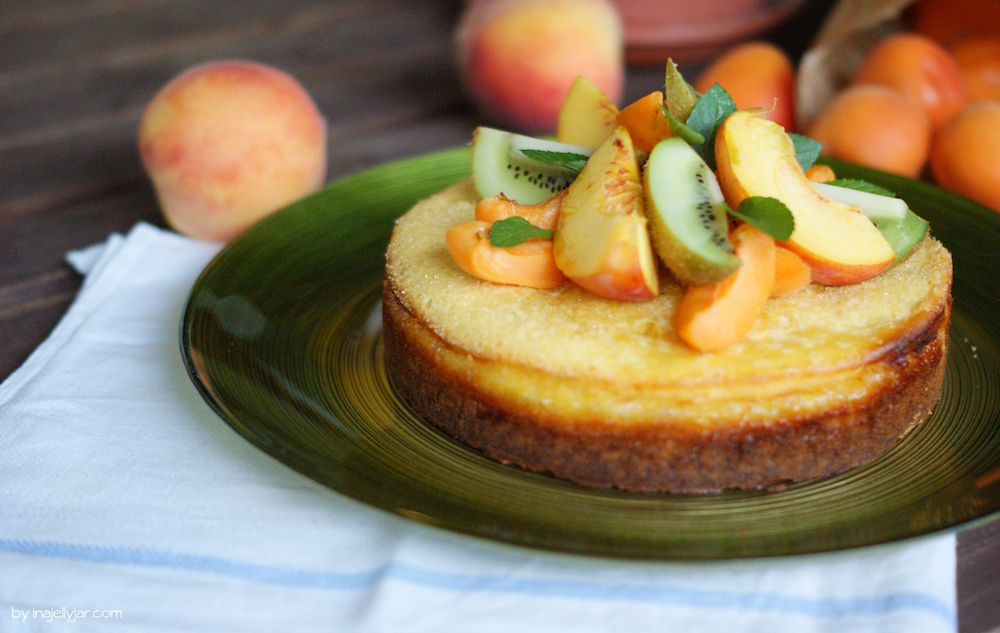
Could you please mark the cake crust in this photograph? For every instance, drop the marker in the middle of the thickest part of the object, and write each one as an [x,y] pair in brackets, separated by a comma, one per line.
[788,405]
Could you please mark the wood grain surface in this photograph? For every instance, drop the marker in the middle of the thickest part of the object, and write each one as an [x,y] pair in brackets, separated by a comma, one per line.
[76,75]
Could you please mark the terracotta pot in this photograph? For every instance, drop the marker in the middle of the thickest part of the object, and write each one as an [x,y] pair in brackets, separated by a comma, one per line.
[690,30]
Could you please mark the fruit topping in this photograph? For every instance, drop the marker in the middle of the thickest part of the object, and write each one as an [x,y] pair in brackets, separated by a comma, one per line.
[755,157]
[715,316]
[587,115]
[732,205]
[687,214]
[502,163]
[529,263]
[601,241]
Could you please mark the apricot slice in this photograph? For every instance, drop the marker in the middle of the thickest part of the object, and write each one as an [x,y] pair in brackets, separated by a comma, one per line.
[713,317]
[645,122]
[820,173]
[791,273]
[544,215]
[529,264]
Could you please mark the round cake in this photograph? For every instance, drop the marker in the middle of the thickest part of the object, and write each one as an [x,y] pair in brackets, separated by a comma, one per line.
[603,392]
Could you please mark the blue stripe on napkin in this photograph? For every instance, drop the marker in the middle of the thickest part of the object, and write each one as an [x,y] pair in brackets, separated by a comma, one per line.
[885,604]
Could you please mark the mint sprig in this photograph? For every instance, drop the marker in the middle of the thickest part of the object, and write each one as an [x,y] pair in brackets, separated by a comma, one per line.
[570,161]
[515,230]
[770,215]
[806,150]
[707,115]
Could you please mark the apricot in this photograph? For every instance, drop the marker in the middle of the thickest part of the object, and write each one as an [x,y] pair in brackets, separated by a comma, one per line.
[791,273]
[874,126]
[951,21]
[530,264]
[920,69]
[965,157]
[645,121]
[820,173]
[978,59]
[756,75]
[518,58]
[544,215]
[229,142]
[713,317]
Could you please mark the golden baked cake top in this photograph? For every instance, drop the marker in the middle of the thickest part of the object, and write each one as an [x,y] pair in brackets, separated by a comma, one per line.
[570,332]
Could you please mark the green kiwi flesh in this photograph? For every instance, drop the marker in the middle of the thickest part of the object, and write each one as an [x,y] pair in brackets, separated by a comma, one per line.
[687,214]
[500,166]
[900,226]
[876,207]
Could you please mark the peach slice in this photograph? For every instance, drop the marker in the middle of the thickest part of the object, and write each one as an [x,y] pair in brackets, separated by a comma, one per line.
[587,115]
[601,241]
[755,157]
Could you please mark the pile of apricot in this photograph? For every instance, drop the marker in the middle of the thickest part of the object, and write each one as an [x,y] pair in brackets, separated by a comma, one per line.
[924,102]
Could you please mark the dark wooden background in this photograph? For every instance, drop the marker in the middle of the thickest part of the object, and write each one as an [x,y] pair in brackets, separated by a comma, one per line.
[75,76]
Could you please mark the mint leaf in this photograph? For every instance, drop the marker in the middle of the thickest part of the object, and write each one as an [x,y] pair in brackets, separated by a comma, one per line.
[806,150]
[767,214]
[860,185]
[569,161]
[681,130]
[515,230]
[707,115]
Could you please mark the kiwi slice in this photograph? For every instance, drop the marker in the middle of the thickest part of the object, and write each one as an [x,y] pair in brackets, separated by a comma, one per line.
[876,206]
[502,162]
[687,214]
[900,226]
[903,234]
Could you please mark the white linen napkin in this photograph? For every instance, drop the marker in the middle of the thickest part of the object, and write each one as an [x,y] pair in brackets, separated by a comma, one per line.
[126,503]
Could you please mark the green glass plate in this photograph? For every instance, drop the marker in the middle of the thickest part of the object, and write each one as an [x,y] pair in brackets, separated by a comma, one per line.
[282,335]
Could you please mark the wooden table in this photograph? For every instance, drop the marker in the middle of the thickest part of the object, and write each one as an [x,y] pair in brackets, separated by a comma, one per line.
[75,77]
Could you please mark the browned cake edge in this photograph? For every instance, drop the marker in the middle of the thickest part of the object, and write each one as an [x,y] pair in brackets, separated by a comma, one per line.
[436,380]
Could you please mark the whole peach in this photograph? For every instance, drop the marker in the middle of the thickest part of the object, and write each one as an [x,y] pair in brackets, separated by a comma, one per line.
[229,142]
[518,58]
[756,74]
